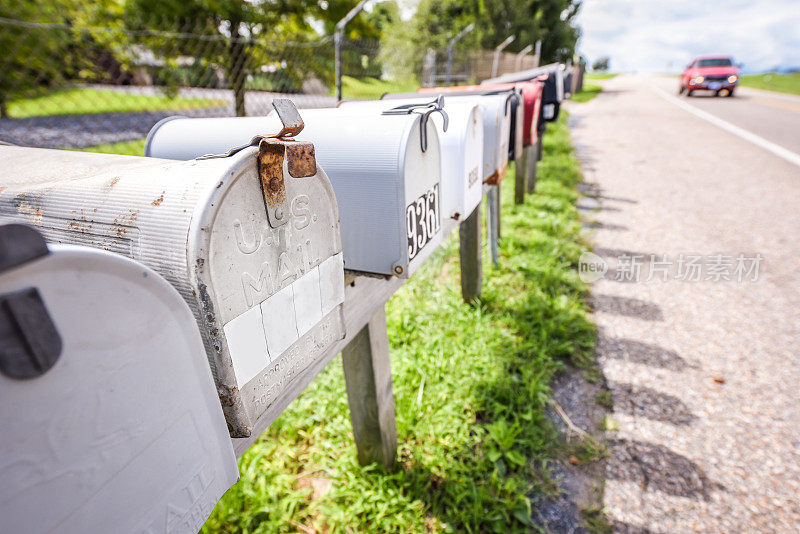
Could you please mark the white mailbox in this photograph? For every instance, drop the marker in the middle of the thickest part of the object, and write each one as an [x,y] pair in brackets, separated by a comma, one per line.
[385,170]
[462,149]
[251,242]
[496,115]
[110,421]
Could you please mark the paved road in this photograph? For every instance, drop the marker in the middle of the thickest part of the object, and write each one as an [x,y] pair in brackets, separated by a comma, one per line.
[773,116]
[705,375]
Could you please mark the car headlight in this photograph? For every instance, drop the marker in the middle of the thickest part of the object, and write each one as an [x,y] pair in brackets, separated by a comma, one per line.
[699,79]
[732,78]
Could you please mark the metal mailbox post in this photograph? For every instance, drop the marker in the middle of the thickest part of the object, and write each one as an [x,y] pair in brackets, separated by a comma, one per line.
[250,241]
[111,421]
[385,170]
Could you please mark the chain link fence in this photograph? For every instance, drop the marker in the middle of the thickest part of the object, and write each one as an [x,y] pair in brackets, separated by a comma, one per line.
[66,86]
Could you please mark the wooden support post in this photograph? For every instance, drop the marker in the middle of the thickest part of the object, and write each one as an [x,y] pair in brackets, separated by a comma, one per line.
[469,235]
[520,176]
[368,378]
[492,218]
[532,165]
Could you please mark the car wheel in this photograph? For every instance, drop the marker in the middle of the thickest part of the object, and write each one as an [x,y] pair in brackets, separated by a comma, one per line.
[681,89]
[730,92]
[689,93]
[716,94]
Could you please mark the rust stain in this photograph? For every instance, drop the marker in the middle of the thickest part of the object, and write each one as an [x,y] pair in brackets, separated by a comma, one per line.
[159,200]
[301,160]
[270,171]
[3,188]
[114,181]
[492,179]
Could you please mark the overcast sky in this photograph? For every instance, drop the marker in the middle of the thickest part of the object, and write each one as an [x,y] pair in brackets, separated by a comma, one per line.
[664,35]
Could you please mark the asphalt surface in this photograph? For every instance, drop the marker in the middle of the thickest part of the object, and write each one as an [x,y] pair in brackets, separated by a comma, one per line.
[773,116]
[704,374]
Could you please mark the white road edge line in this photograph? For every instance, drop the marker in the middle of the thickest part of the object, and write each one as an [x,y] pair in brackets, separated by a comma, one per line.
[788,155]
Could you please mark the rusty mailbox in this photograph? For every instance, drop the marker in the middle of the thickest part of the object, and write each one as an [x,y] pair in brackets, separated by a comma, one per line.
[385,169]
[111,421]
[249,238]
[461,137]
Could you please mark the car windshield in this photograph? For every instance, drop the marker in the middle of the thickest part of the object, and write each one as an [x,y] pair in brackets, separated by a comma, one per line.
[721,62]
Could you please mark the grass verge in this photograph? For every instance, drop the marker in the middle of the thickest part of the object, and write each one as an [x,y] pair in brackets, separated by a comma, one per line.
[588,92]
[772,81]
[373,88]
[77,101]
[470,383]
[599,75]
[126,148]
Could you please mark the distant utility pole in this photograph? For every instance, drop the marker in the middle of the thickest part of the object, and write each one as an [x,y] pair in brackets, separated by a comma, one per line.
[338,37]
[450,46]
[521,55]
[538,53]
[500,47]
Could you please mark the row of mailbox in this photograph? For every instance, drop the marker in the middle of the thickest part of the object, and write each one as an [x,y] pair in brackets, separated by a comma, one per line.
[100,305]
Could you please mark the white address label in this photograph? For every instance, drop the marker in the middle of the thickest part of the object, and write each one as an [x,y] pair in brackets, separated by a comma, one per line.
[264,332]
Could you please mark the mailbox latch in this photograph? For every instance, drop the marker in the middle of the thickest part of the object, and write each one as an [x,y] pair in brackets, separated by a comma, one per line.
[29,341]
[273,151]
[279,155]
[424,109]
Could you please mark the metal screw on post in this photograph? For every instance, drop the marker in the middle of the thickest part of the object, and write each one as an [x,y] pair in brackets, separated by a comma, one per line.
[500,47]
[450,46]
[521,55]
[338,38]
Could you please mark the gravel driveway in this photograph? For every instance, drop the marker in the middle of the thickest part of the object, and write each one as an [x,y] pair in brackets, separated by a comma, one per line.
[704,375]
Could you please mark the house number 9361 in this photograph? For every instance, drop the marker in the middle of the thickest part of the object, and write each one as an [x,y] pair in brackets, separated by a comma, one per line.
[422,221]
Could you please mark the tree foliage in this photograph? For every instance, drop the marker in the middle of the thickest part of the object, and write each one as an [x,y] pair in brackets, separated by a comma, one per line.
[601,64]
[551,21]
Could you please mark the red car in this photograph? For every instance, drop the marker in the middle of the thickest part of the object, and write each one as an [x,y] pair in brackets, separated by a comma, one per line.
[710,73]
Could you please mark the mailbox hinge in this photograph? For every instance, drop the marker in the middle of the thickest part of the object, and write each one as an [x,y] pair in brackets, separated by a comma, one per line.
[424,109]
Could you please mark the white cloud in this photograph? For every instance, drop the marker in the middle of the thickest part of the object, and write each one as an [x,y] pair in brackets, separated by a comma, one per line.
[664,35]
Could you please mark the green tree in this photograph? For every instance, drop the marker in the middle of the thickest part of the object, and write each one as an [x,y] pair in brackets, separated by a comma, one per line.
[32,54]
[601,64]
[551,21]
[224,32]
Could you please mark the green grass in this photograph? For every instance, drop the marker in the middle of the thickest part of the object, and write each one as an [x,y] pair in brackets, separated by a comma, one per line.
[75,101]
[588,92]
[126,148]
[784,83]
[599,75]
[373,89]
[470,387]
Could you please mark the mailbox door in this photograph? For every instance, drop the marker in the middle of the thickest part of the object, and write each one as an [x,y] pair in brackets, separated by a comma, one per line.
[473,146]
[270,288]
[124,433]
[422,213]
